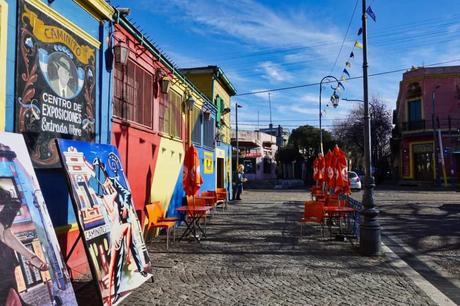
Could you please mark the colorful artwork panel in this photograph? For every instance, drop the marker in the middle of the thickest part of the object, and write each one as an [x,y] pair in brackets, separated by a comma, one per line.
[55,84]
[32,270]
[107,218]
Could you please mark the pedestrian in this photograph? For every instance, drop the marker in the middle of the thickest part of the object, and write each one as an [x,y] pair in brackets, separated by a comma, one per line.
[239,180]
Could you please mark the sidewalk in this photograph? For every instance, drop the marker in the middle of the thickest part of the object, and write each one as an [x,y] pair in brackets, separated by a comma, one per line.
[253,256]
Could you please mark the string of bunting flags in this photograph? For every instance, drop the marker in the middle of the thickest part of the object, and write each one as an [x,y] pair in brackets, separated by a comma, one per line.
[345,72]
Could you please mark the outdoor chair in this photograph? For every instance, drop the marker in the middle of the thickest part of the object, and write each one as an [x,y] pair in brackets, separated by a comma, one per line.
[222,195]
[313,213]
[157,220]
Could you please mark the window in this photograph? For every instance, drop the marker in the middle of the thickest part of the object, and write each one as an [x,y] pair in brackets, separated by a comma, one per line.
[133,94]
[197,122]
[249,165]
[171,115]
[415,110]
[208,132]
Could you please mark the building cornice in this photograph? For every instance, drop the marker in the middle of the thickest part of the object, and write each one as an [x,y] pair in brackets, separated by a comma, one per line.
[100,9]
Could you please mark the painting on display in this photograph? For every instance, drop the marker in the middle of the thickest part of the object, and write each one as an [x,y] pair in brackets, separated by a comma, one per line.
[107,218]
[32,269]
[55,84]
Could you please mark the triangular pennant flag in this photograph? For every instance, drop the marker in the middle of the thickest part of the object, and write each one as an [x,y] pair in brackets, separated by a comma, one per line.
[341,85]
[360,31]
[342,78]
[358,45]
[371,14]
[348,64]
[352,55]
[346,72]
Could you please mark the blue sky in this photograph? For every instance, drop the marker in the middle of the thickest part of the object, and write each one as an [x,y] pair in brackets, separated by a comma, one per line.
[264,45]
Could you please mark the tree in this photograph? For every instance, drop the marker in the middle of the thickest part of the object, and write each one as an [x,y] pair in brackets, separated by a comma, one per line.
[306,139]
[351,133]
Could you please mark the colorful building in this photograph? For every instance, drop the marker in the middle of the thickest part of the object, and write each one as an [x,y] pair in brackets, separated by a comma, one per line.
[426,137]
[213,82]
[157,113]
[257,154]
[55,57]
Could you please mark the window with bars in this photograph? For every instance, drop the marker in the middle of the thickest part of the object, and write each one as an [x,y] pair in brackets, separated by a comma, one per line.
[133,94]
[197,122]
[171,115]
[208,132]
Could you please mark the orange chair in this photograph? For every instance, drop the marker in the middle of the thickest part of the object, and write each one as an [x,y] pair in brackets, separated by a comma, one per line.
[155,215]
[222,196]
[313,213]
[210,194]
[197,202]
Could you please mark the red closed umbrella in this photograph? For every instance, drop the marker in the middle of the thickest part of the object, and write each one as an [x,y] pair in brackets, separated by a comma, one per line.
[342,182]
[330,166]
[192,179]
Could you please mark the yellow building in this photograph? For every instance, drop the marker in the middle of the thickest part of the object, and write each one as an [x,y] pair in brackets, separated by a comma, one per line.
[213,82]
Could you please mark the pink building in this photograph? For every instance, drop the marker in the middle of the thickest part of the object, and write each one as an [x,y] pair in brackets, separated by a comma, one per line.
[257,154]
[427,123]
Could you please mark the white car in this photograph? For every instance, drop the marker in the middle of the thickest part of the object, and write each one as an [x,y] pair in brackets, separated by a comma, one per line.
[355,181]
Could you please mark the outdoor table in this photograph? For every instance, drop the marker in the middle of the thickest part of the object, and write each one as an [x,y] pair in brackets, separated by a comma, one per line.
[195,214]
[337,211]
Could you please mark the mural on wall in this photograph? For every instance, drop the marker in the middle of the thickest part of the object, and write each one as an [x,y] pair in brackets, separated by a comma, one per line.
[107,218]
[208,163]
[55,85]
[32,269]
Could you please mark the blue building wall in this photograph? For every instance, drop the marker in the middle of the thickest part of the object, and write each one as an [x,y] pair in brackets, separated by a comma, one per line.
[53,181]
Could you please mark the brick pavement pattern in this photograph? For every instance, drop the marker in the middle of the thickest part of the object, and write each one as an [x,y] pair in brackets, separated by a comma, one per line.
[253,256]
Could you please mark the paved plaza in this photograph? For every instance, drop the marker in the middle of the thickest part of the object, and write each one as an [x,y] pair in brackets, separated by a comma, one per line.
[253,256]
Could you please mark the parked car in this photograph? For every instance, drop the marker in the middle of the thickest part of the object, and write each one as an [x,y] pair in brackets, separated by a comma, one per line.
[355,181]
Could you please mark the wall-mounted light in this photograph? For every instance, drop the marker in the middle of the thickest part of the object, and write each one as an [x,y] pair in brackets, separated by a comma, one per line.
[189,103]
[121,51]
[225,111]
[165,83]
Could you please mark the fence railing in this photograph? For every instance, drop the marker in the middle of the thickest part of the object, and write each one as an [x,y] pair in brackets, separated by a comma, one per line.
[451,124]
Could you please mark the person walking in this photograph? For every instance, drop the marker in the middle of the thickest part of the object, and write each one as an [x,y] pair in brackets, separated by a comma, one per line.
[240,179]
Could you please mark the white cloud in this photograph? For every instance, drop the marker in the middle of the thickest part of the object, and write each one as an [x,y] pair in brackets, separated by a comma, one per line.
[273,71]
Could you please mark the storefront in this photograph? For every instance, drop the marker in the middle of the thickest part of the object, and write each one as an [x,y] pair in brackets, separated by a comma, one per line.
[56,87]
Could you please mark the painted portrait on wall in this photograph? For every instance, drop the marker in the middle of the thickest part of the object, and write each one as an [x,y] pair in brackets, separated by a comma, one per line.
[32,269]
[55,83]
[107,218]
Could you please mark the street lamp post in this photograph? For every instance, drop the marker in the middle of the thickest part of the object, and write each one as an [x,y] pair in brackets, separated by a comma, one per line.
[236,136]
[433,123]
[370,232]
[320,113]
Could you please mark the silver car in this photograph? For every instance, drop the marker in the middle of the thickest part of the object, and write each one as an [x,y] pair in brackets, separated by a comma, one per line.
[355,181]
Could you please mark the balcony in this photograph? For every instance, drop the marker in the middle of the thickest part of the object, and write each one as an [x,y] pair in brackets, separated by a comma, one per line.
[450,124]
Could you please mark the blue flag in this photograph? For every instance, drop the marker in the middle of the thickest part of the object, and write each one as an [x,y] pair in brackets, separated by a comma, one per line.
[346,72]
[352,55]
[341,85]
[360,31]
[370,12]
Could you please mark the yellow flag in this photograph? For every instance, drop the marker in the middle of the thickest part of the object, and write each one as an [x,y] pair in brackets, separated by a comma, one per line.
[358,45]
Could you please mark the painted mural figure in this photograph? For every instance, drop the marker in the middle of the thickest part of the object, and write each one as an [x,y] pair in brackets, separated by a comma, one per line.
[62,80]
[107,217]
[117,201]
[9,243]
[32,270]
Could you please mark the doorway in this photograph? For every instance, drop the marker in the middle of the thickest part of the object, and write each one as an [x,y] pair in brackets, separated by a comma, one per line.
[220,172]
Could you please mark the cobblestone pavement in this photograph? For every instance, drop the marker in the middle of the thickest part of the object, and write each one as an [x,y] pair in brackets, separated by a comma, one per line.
[426,222]
[253,256]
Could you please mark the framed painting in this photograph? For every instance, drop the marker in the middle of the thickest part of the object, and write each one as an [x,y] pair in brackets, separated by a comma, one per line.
[32,269]
[107,218]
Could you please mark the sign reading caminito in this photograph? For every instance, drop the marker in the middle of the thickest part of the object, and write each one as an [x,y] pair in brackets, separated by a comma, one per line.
[55,85]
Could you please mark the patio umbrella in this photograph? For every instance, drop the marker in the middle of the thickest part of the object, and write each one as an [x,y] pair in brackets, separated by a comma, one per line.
[330,165]
[192,179]
[321,168]
[342,182]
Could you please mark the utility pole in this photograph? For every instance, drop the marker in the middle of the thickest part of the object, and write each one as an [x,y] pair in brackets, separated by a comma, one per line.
[270,107]
[435,146]
[236,136]
[370,233]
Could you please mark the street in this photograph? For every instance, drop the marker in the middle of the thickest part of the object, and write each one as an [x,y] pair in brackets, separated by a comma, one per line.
[253,256]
